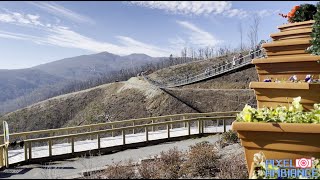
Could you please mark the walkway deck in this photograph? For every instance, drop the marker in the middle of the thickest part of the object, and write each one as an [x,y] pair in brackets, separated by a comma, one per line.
[16,156]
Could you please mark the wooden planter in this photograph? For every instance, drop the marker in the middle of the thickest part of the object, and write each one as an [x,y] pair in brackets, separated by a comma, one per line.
[278,140]
[271,94]
[282,68]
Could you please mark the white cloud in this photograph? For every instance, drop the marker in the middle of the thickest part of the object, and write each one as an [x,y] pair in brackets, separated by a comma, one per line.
[267,12]
[65,37]
[193,7]
[198,36]
[18,18]
[61,11]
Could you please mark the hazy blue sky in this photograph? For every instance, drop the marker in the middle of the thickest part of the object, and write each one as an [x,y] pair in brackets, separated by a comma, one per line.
[33,33]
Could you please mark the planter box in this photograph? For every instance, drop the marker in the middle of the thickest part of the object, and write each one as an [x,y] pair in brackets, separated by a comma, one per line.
[287,47]
[285,66]
[296,26]
[271,94]
[278,140]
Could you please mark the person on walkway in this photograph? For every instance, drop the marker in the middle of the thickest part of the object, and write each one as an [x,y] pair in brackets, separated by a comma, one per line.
[258,51]
[234,60]
[240,57]
[251,53]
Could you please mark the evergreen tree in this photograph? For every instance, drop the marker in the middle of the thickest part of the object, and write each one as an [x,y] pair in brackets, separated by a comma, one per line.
[315,42]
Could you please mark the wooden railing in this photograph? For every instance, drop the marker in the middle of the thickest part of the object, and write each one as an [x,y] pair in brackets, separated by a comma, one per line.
[93,131]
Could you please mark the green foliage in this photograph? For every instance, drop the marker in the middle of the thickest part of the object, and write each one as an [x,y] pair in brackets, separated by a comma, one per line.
[230,137]
[315,42]
[281,114]
[304,13]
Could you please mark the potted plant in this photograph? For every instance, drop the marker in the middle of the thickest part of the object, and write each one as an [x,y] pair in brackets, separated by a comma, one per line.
[279,132]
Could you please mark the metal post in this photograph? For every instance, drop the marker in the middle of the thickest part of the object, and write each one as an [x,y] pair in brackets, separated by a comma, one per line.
[224,125]
[152,127]
[168,130]
[185,123]
[112,131]
[171,125]
[189,128]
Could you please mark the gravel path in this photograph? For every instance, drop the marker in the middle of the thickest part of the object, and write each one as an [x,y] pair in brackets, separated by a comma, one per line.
[72,167]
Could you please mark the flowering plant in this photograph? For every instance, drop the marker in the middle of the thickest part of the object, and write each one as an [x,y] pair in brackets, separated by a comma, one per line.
[281,114]
[259,168]
[304,12]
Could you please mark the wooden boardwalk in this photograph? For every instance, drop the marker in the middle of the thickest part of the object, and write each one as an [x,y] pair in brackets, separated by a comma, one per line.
[16,156]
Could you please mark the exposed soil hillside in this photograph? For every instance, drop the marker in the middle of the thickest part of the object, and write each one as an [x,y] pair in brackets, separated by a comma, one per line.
[119,101]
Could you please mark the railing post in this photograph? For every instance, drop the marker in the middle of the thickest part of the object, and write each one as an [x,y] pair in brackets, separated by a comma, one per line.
[203,122]
[185,123]
[7,156]
[199,126]
[189,128]
[168,130]
[99,143]
[26,151]
[152,127]
[30,150]
[69,140]
[72,145]
[91,137]
[123,137]
[147,134]
[133,124]
[50,147]
[112,131]
[1,157]
[171,125]
[224,125]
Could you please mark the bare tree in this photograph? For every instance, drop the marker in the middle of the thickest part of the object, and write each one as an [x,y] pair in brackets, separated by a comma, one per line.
[241,35]
[253,31]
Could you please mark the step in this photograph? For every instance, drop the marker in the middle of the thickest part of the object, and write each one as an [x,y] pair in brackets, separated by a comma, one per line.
[296,26]
[287,58]
[289,42]
[294,34]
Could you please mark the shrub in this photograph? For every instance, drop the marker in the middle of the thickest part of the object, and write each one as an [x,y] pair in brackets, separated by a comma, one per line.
[201,161]
[233,167]
[166,167]
[118,171]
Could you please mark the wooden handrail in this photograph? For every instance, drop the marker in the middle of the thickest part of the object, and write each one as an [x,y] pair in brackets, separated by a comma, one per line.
[66,129]
[124,128]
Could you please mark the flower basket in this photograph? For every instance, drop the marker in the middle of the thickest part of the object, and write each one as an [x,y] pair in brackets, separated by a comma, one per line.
[272,94]
[278,140]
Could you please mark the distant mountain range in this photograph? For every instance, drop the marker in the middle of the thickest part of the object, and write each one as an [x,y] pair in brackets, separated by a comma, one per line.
[17,84]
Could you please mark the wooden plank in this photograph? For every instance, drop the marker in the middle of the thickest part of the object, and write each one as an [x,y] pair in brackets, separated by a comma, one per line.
[286,43]
[274,85]
[303,24]
[288,58]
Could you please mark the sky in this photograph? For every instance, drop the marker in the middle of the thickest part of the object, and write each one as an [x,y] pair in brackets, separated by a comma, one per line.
[33,33]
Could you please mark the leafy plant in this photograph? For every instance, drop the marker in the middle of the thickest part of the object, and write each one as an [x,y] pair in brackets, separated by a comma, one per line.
[315,41]
[281,114]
